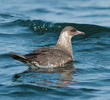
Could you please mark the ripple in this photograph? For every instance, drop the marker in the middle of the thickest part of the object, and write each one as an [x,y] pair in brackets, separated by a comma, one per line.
[42,10]
[92,49]
[4,15]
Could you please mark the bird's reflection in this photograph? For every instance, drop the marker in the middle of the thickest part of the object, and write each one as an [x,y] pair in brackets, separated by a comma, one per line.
[65,75]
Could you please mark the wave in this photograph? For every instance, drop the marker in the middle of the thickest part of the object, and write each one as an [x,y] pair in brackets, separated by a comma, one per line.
[43,26]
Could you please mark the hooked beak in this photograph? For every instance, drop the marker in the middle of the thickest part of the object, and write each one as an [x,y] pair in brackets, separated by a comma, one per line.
[79,32]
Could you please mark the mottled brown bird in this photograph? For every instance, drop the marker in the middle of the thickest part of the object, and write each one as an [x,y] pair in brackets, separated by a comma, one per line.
[54,57]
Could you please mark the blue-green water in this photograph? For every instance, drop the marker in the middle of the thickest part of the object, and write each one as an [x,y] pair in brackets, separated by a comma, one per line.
[29,24]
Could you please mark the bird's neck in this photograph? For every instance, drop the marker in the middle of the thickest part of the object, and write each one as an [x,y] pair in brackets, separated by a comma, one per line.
[64,43]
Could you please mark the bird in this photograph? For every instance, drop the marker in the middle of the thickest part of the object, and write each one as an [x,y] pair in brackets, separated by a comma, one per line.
[51,57]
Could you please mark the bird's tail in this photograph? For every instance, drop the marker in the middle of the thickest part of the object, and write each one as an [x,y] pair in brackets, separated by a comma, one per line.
[19,57]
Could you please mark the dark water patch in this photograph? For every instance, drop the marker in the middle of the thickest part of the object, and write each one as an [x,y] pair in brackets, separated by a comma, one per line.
[71,8]
[67,8]
[97,8]
[90,90]
[5,55]
[106,81]
[96,15]
[41,10]
[32,87]
[92,49]
[102,44]
[4,15]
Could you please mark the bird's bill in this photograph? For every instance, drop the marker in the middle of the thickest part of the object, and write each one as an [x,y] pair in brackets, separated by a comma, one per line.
[79,32]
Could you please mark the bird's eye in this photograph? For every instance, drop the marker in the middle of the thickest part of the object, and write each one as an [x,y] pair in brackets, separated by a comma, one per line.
[73,30]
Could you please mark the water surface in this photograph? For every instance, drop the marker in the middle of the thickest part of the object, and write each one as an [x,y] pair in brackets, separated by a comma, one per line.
[26,25]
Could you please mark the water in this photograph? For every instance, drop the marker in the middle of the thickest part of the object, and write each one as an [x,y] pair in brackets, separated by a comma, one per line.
[26,25]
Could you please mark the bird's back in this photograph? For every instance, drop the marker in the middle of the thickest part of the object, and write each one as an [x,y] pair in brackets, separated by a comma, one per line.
[48,57]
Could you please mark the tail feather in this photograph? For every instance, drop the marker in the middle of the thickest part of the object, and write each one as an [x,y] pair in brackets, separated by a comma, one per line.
[18,57]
